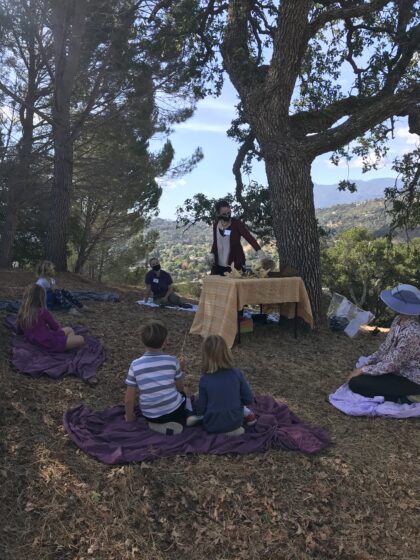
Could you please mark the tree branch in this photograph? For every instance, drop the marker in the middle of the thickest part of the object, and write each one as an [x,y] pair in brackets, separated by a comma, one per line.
[408,48]
[247,145]
[91,101]
[380,108]
[312,122]
[289,47]
[343,13]
[21,101]
[236,56]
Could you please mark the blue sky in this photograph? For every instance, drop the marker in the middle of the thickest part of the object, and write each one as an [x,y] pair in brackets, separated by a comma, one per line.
[213,175]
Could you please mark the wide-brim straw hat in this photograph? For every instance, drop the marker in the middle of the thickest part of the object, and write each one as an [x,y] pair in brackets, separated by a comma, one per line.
[404,299]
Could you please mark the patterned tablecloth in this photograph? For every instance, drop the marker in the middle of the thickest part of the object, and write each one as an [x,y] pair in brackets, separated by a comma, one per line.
[222,298]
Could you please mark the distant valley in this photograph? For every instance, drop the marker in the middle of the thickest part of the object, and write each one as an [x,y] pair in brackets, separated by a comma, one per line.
[183,251]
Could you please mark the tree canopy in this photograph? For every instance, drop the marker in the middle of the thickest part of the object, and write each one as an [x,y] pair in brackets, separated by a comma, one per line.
[93,82]
[312,78]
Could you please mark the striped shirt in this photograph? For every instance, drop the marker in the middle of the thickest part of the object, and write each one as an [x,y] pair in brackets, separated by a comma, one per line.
[154,374]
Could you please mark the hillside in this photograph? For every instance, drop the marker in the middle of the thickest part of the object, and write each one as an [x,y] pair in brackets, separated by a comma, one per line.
[353,501]
[186,248]
[369,214]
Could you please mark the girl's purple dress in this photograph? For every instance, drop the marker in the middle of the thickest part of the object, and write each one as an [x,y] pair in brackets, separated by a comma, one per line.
[46,332]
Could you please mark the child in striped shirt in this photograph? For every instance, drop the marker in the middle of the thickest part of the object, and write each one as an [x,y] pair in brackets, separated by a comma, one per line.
[158,377]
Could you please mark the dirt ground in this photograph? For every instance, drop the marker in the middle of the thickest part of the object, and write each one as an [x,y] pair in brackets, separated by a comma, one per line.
[356,500]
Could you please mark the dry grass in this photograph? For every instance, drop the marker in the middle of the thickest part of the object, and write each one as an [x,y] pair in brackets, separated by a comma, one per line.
[354,501]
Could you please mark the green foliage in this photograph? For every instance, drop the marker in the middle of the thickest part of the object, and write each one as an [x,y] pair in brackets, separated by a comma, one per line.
[134,79]
[403,203]
[359,266]
[257,214]
[123,261]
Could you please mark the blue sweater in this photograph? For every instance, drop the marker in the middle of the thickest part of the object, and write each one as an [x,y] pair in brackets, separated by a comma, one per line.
[221,400]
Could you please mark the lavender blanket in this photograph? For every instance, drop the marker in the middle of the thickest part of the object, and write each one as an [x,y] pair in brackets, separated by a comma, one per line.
[35,361]
[355,405]
[106,436]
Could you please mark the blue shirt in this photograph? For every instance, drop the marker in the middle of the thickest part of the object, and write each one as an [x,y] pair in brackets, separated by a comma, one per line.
[154,374]
[44,283]
[221,400]
[159,284]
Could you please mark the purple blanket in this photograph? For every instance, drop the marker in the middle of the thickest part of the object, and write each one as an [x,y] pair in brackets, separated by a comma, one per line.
[106,436]
[355,405]
[35,361]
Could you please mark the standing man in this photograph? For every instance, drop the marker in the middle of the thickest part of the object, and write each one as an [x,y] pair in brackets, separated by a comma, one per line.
[227,248]
[159,283]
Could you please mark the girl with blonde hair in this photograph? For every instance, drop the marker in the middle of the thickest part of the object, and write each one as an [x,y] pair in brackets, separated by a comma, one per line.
[223,390]
[39,327]
[56,298]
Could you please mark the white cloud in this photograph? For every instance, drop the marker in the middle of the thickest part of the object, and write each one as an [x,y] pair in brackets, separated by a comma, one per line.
[404,134]
[357,163]
[170,184]
[203,127]
[216,104]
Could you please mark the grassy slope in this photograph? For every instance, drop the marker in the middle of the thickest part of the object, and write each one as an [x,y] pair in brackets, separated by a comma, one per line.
[354,501]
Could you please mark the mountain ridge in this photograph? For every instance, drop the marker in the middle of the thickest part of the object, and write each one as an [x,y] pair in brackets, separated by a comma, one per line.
[326,196]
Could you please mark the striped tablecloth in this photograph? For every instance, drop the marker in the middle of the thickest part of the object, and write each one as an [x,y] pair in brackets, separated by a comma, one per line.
[222,298]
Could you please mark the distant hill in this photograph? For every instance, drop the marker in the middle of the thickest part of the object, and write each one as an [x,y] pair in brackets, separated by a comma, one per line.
[187,249]
[370,214]
[328,195]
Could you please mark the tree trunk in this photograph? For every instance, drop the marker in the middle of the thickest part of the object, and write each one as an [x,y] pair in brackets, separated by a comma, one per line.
[9,228]
[56,241]
[68,26]
[294,222]
[20,176]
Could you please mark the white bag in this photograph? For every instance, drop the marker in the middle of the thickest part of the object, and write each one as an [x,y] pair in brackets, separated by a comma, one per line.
[341,307]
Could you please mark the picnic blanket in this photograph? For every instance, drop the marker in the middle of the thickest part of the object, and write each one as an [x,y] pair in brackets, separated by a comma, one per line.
[95,296]
[106,436]
[35,361]
[12,305]
[356,405]
[221,299]
[193,307]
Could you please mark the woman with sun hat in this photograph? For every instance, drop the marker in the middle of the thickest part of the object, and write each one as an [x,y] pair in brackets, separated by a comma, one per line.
[394,370]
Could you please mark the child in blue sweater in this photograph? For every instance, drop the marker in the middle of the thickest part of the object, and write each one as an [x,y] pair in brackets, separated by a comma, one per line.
[223,391]
[57,298]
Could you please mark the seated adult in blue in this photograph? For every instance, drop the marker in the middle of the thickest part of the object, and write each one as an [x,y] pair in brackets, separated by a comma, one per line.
[159,284]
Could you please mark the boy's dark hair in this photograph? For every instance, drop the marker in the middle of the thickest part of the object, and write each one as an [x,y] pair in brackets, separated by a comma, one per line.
[221,204]
[153,334]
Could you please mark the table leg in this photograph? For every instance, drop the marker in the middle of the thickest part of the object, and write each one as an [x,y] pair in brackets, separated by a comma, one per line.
[296,316]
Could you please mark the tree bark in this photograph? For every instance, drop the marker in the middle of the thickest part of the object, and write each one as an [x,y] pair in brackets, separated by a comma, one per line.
[68,26]
[20,178]
[9,228]
[294,221]
[58,215]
